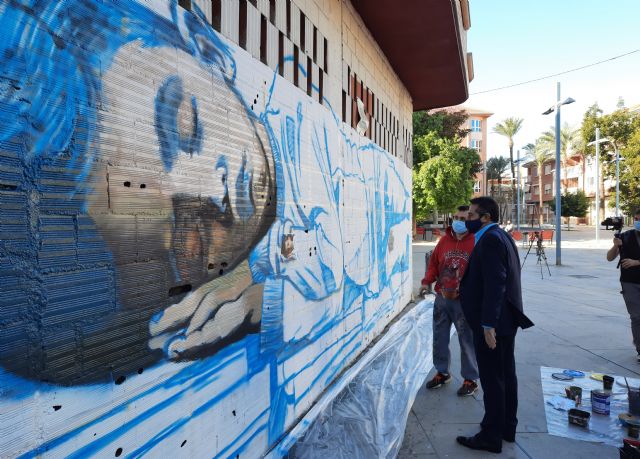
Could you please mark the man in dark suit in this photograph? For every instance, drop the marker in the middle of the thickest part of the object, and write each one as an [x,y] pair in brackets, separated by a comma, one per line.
[491,299]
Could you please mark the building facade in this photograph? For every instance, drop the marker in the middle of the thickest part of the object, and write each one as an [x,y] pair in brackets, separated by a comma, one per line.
[578,175]
[205,212]
[477,123]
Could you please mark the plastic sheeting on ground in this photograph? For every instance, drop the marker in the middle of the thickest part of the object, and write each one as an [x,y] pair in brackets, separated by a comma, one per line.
[602,428]
[364,413]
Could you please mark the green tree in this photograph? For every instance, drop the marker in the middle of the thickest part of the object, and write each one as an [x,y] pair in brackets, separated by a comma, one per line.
[430,126]
[630,173]
[436,141]
[445,181]
[570,142]
[496,167]
[509,128]
[444,123]
[619,127]
[572,205]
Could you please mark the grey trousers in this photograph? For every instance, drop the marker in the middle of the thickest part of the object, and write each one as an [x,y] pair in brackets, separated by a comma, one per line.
[445,313]
[631,295]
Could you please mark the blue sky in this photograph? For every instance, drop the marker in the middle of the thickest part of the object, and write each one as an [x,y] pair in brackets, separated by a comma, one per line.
[515,40]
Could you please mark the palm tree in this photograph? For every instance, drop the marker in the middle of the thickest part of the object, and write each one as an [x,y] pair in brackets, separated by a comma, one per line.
[509,128]
[569,143]
[541,154]
[496,168]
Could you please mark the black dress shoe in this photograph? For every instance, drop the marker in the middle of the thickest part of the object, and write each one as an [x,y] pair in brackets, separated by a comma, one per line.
[509,435]
[509,438]
[479,443]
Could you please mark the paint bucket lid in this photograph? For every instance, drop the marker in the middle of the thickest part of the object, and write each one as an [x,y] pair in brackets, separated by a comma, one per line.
[561,377]
[628,418]
[574,373]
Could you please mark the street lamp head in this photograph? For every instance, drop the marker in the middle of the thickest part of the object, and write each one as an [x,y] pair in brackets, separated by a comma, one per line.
[568,100]
[548,111]
[600,141]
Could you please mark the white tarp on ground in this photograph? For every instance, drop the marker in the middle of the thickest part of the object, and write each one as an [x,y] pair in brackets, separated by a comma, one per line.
[364,414]
[602,428]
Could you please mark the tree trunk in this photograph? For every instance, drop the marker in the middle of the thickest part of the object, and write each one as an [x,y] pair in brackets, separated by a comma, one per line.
[540,194]
[513,169]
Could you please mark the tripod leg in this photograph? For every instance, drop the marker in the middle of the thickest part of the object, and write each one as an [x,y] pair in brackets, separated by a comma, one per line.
[540,253]
[527,254]
[544,255]
[547,263]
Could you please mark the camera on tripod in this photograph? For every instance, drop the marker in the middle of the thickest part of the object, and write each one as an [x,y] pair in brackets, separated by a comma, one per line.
[616,223]
[536,237]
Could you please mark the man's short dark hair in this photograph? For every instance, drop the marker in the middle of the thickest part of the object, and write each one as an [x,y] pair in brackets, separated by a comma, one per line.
[487,205]
[463,208]
[637,212]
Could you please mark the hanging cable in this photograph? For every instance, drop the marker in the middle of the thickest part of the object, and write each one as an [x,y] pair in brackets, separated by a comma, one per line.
[556,74]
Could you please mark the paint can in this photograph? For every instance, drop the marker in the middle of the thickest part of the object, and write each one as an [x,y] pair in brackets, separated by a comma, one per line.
[601,402]
[634,401]
[578,417]
[574,393]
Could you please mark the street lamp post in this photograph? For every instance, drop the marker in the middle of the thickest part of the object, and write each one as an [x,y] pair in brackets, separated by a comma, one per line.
[597,184]
[556,107]
[518,195]
[617,180]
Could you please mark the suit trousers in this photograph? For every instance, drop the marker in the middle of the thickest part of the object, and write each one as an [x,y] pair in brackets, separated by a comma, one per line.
[631,295]
[499,382]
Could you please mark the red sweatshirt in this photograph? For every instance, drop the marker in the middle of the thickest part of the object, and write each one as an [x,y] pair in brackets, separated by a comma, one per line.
[449,261]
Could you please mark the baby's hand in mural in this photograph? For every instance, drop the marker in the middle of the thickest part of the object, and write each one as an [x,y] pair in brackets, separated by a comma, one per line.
[211,313]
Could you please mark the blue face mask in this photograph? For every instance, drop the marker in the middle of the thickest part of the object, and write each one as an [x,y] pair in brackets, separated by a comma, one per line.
[459,227]
[636,225]
[473,225]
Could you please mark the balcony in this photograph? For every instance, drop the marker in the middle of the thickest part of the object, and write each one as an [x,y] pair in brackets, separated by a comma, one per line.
[573,172]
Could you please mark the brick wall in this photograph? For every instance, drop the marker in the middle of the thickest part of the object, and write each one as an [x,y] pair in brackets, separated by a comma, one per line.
[193,243]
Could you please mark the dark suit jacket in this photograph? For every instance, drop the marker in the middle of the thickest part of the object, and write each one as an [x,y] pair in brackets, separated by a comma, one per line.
[490,291]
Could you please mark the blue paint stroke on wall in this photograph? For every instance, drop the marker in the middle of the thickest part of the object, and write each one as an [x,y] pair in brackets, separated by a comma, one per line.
[172,141]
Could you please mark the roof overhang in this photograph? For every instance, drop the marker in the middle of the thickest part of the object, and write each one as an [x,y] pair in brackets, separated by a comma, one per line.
[425,43]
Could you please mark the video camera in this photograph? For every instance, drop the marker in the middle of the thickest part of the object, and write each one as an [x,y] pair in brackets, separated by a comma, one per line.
[616,224]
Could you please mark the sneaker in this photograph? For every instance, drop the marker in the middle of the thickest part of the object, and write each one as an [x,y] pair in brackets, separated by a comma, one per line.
[439,380]
[468,388]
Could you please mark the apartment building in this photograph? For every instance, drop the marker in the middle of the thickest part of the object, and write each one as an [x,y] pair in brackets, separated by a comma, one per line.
[579,174]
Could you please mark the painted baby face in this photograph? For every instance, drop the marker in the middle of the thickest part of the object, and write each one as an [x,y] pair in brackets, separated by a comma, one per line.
[185,184]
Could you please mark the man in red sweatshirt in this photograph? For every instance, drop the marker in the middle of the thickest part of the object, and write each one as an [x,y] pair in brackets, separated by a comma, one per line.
[446,267]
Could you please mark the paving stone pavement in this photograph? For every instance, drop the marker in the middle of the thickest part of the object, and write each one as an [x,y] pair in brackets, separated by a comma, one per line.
[581,322]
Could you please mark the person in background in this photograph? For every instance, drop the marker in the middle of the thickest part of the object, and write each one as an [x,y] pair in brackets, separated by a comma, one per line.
[446,267]
[627,246]
[508,227]
[491,298]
